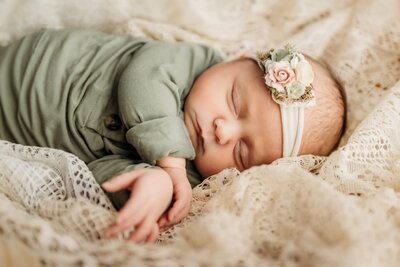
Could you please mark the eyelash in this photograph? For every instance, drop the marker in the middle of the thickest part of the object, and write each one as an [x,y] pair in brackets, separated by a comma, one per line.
[240,154]
[236,106]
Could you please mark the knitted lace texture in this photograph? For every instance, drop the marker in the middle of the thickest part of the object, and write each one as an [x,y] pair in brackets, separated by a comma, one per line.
[343,210]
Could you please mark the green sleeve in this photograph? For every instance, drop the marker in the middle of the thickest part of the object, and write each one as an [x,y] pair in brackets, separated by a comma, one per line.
[151,94]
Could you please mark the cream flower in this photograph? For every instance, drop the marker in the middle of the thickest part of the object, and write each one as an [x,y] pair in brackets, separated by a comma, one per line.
[279,75]
[304,73]
[288,75]
[295,90]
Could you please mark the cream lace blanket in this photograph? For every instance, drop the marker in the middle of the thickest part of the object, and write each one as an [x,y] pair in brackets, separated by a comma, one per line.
[343,210]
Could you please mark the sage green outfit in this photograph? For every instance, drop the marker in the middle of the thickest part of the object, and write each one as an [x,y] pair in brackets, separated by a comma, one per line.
[116,102]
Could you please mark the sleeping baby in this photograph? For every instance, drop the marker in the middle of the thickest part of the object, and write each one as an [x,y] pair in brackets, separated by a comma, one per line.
[151,118]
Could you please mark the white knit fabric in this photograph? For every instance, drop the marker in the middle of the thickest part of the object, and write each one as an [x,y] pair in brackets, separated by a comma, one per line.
[343,210]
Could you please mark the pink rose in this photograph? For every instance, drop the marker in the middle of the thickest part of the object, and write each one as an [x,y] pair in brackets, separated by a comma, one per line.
[279,75]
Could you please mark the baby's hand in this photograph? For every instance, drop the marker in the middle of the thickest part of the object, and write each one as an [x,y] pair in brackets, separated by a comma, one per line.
[182,198]
[151,194]
[181,189]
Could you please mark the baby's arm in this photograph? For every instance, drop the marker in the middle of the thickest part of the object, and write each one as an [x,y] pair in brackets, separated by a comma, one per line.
[182,190]
[151,94]
[151,193]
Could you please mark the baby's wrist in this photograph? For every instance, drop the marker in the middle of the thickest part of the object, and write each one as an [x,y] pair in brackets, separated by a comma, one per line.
[172,162]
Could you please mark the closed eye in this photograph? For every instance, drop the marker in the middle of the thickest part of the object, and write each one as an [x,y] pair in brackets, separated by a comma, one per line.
[244,154]
[235,101]
[241,154]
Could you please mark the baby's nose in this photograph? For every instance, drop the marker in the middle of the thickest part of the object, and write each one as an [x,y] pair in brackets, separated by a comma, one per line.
[225,131]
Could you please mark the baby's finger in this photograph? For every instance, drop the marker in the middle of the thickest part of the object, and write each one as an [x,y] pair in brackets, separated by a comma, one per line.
[163,221]
[178,204]
[113,230]
[164,228]
[154,234]
[143,230]
[179,209]
[163,224]
[177,217]
[130,218]
[117,228]
[173,211]
[121,181]
[133,212]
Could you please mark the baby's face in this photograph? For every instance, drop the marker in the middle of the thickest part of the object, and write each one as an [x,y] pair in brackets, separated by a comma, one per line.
[232,119]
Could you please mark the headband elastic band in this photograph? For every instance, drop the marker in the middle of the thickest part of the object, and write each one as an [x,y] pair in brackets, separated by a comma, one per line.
[292,129]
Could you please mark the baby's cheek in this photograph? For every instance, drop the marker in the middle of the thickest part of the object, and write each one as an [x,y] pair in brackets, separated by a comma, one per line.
[208,164]
[202,166]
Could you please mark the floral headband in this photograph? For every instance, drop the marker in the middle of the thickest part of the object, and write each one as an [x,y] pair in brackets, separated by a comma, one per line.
[289,77]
